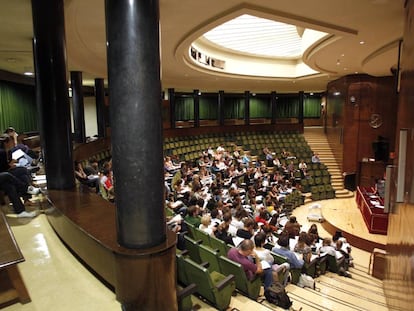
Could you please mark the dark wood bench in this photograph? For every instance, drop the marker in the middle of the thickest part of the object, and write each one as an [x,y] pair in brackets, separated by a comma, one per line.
[12,287]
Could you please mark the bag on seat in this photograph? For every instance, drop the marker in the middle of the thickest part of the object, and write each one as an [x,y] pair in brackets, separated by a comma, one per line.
[306,281]
[277,295]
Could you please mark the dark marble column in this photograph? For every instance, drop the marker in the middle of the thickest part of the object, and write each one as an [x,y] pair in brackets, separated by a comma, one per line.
[137,154]
[78,107]
[136,123]
[196,97]
[301,103]
[171,98]
[221,108]
[52,92]
[247,107]
[100,106]
[273,100]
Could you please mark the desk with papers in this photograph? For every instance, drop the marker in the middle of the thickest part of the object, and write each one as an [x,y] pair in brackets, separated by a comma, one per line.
[372,210]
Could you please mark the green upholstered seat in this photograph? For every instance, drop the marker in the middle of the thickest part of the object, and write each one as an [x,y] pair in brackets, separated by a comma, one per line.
[211,256]
[190,230]
[330,192]
[219,245]
[192,246]
[322,264]
[294,272]
[212,286]
[184,300]
[334,264]
[201,235]
[251,288]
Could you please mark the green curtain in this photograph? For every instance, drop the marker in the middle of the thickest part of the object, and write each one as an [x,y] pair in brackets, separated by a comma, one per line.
[312,107]
[260,108]
[208,108]
[287,106]
[234,108]
[184,108]
[18,107]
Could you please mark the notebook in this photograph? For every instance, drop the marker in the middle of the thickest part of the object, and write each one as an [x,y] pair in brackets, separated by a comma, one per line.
[18,154]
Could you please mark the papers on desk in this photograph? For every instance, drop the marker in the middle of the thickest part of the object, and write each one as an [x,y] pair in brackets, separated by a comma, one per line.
[338,255]
[375,203]
[39,177]
[265,265]
[17,154]
[314,257]
[237,240]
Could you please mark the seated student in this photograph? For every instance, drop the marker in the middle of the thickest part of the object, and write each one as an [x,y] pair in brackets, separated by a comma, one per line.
[313,233]
[21,173]
[107,183]
[267,258]
[329,248]
[19,153]
[222,233]
[192,216]
[13,134]
[15,188]
[284,250]
[292,227]
[205,224]
[248,229]
[92,168]
[303,246]
[315,158]
[344,251]
[245,255]
[343,246]
[89,180]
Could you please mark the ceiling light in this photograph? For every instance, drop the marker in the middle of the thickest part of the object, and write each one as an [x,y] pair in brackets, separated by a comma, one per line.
[28,73]
[361,42]
[258,36]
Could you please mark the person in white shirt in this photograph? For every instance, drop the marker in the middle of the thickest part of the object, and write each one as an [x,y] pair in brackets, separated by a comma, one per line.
[267,259]
[205,224]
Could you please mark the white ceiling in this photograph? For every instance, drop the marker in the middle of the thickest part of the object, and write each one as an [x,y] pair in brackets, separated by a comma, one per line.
[379,23]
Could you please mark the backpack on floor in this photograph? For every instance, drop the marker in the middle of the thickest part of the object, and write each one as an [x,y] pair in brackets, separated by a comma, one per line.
[277,295]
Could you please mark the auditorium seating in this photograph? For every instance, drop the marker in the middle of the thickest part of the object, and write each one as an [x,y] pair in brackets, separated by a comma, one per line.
[251,288]
[213,286]
[189,148]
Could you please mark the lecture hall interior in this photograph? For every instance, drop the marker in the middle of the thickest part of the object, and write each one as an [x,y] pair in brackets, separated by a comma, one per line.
[133,83]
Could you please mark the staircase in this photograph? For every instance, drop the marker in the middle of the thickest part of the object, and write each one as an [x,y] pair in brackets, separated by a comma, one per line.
[318,142]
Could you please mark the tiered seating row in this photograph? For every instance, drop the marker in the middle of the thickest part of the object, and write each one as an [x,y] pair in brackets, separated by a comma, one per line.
[317,180]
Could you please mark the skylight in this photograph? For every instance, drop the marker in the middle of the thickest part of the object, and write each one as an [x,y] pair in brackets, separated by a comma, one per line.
[257,36]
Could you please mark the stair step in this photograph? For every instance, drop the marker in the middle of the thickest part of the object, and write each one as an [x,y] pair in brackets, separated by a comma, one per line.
[318,142]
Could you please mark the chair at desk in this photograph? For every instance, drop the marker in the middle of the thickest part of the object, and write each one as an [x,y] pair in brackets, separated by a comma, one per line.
[243,284]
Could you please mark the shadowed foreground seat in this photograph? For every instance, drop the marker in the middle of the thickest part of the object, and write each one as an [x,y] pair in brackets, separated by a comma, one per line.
[192,246]
[213,286]
[211,256]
